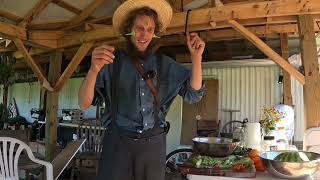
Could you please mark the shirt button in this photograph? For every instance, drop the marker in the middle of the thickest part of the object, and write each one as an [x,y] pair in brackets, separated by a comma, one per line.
[145,124]
[142,94]
[141,79]
[143,109]
[141,64]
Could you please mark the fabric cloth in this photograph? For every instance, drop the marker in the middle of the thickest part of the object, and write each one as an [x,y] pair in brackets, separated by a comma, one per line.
[126,158]
[135,101]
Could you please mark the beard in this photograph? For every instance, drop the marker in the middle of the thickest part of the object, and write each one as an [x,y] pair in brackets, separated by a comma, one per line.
[133,50]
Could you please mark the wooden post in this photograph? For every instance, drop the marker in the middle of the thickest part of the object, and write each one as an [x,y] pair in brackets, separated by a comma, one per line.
[309,57]
[287,96]
[52,106]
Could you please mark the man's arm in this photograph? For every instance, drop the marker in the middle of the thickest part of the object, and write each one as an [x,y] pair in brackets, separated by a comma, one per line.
[196,47]
[86,92]
[100,56]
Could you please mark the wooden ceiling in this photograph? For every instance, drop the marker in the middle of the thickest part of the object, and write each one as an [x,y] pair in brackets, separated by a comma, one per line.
[42,30]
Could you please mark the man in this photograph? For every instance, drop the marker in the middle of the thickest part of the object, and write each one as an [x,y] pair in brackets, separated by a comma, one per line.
[134,146]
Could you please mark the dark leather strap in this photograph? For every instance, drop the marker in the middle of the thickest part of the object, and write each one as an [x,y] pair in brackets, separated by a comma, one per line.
[148,80]
[114,93]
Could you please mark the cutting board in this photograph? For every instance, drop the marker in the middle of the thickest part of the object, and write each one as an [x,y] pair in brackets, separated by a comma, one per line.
[250,173]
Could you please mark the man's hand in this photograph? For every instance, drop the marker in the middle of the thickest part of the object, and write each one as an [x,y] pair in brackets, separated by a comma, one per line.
[196,46]
[100,56]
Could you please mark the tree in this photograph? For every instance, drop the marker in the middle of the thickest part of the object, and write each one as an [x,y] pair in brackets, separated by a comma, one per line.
[6,70]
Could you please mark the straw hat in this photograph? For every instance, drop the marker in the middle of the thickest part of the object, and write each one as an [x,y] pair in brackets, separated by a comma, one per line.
[161,7]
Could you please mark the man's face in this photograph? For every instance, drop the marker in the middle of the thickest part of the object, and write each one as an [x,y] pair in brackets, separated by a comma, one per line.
[143,29]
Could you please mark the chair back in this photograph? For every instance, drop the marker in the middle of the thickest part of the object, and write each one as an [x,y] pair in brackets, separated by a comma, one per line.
[10,151]
[94,136]
[208,127]
[311,140]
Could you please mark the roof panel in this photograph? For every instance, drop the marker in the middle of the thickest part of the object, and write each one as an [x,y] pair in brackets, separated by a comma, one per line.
[79,4]
[106,9]
[53,13]
[17,7]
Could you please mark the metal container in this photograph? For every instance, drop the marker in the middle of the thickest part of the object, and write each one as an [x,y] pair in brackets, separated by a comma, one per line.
[291,170]
[214,146]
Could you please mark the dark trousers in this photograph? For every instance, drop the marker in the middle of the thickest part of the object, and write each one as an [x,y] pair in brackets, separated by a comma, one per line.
[127,158]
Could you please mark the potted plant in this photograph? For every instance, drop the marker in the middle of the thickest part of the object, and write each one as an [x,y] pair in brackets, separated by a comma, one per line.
[269,119]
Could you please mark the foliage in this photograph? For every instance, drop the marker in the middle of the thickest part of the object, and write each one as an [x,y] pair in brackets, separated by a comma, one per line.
[269,118]
[6,67]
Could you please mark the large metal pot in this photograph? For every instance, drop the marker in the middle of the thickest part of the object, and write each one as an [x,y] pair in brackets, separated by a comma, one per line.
[291,170]
[214,146]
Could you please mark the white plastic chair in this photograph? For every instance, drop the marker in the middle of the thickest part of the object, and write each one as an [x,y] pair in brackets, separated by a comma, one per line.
[10,151]
[311,140]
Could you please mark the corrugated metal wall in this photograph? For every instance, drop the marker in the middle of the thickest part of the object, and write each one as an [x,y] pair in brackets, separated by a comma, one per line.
[27,96]
[249,89]
[297,94]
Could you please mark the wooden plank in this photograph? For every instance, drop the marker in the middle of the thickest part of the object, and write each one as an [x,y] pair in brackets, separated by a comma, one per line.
[101,34]
[31,14]
[83,50]
[33,65]
[12,31]
[287,96]
[10,16]
[309,57]
[203,17]
[62,160]
[52,106]
[85,13]
[268,51]
[47,25]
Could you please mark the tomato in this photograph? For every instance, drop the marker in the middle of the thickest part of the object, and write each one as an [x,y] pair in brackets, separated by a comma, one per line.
[239,168]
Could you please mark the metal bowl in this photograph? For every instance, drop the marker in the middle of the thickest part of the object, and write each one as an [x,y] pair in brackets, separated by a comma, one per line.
[214,146]
[291,170]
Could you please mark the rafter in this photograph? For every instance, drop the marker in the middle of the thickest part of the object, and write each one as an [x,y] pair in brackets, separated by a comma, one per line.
[268,51]
[33,65]
[201,18]
[82,51]
[85,13]
[12,31]
[34,12]
[10,16]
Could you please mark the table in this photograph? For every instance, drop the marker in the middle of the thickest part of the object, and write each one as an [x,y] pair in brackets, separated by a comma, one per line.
[259,175]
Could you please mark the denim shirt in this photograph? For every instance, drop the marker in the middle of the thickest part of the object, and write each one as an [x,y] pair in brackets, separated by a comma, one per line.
[135,100]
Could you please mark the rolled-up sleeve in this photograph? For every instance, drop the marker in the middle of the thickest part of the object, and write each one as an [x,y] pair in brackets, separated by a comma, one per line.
[102,81]
[189,94]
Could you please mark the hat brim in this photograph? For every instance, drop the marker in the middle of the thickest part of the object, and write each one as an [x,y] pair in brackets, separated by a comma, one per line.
[161,7]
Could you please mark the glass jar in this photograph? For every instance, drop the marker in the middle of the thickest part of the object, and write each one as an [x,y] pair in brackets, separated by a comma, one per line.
[269,143]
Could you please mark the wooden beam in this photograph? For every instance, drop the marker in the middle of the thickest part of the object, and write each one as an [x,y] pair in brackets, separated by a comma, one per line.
[268,51]
[310,63]
[68,7]
[35,68]
[85,13]
[31,14]
[52,107]
[287,96]
[12,31]
[101,34]
[201,18]
[10,16]
[83,50]
[47,25]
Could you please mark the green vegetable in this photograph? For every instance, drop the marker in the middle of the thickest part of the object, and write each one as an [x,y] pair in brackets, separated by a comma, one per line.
[289,157]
